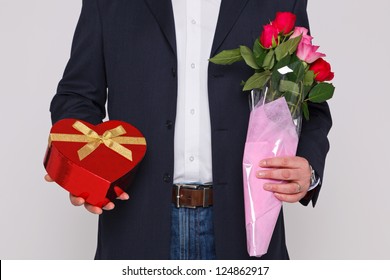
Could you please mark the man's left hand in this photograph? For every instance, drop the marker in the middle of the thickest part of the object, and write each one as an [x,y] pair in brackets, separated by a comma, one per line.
[294,172]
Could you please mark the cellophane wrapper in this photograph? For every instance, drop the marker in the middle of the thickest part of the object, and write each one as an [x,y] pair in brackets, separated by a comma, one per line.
[271,133]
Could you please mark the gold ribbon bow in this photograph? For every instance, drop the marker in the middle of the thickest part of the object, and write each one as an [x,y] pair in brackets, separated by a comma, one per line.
[110,138]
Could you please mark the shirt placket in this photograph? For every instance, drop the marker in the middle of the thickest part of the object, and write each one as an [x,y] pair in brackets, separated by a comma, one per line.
[192,89]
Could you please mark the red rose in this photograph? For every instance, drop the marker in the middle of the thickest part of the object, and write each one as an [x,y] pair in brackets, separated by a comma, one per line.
[284,22]
[269,36]
[322,70]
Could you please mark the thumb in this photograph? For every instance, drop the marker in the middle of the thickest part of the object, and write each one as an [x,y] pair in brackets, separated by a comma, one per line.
[48,178]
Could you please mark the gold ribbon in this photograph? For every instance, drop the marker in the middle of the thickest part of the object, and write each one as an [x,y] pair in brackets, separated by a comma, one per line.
[111,138]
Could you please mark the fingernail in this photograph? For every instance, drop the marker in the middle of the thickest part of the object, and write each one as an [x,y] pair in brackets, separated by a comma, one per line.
[260,174]
[123,196]
[267,187]
[108,207]
[263,163]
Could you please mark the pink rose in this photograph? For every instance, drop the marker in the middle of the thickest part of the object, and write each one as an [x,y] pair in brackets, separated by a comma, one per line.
[322,70]
[304,32]
[308,53]
[268,36]
[284,22]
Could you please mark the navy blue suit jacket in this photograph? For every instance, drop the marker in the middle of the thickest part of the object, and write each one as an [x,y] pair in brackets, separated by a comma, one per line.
[127,48]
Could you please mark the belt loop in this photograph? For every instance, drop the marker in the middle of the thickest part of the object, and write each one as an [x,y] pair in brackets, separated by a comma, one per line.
[206,193]
[178,196]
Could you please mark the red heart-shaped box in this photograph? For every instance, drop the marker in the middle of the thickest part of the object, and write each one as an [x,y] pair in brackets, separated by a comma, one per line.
[106,170]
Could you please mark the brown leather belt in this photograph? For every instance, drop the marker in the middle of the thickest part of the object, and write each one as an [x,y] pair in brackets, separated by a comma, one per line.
[192,196]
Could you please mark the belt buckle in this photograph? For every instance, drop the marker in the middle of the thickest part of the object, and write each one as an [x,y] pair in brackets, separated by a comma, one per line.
[186,186]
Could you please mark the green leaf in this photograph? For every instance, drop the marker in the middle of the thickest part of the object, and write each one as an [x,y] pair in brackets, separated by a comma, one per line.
[294,58]
[289,86]
[274,43]
[248,56]
[306,90]
[283,62]
[227,57]
[269,60]
[258,80]
[259,52]
[298,71]
[288,47]
[321,92]
[291,92]
[305,110]
[309,78]
[276,77]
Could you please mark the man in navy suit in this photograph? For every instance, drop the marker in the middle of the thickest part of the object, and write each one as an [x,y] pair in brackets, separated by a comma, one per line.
[149,60]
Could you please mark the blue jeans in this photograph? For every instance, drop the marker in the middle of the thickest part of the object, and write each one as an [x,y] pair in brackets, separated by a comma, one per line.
[192,234]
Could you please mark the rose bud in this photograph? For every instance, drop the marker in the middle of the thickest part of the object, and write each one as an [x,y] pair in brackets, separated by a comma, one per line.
[306,38]
[322,70]
[308,53]
[284,22]
[269,36]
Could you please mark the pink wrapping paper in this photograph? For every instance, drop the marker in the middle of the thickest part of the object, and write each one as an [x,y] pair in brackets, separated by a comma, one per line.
[271,133]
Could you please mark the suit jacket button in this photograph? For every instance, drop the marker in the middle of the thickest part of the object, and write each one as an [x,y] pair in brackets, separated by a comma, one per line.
[173,72]
[169,124]
[167,178]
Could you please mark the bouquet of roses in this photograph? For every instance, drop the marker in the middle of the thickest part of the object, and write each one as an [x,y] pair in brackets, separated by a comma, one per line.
[288,73]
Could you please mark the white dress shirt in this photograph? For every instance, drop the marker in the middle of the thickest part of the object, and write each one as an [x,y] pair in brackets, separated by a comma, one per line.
[195,24]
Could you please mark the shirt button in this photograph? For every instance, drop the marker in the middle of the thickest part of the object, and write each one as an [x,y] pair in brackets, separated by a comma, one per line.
[192,65]
[167,178]
[192,158]
[193,21]
[192,111]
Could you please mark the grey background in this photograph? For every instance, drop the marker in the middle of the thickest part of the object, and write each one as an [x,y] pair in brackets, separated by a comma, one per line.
[351,218]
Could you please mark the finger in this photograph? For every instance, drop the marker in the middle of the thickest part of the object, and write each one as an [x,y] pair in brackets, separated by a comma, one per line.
[284,162]
[290,198]
[286,188]
[280,174]
[76,200]
[48,178]
[93,209]
[123,196]
[109,206]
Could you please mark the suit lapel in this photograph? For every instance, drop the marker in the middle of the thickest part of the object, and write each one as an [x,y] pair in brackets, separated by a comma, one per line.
[228,15]
[162,11]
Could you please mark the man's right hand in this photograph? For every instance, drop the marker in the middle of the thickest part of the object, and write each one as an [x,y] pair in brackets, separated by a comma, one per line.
[78,201]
